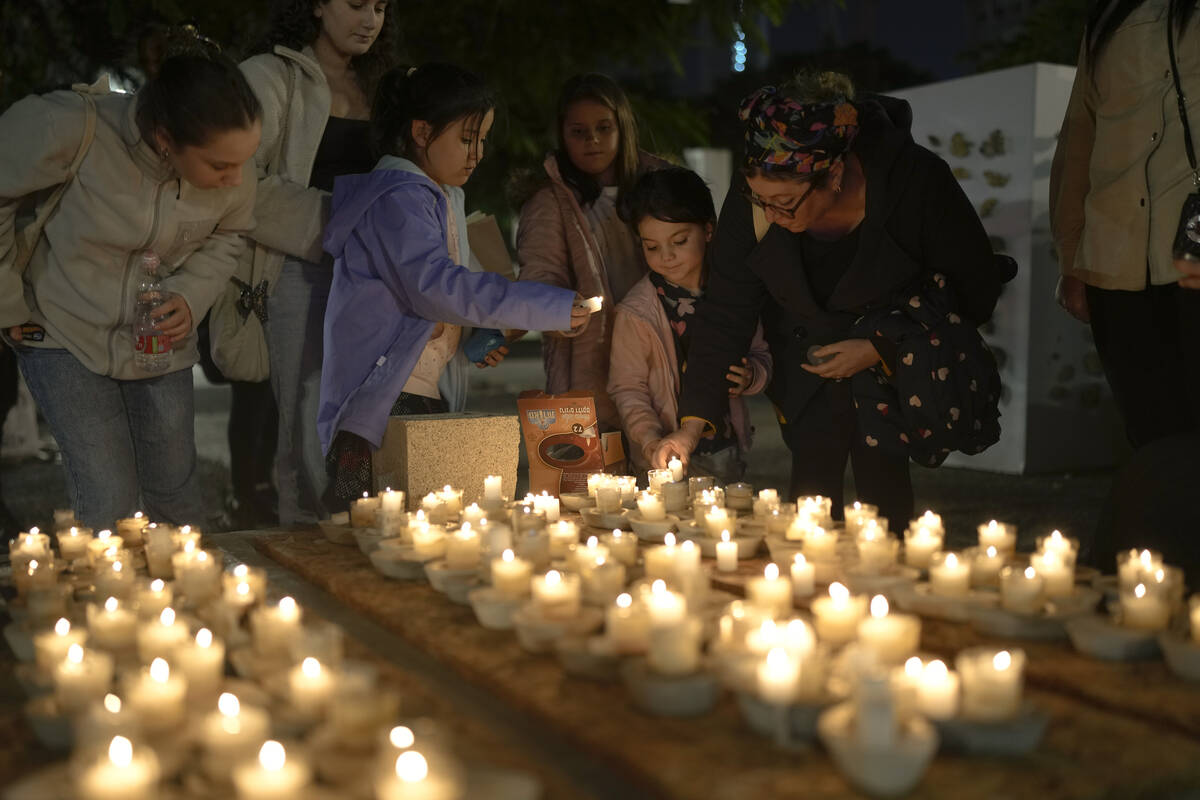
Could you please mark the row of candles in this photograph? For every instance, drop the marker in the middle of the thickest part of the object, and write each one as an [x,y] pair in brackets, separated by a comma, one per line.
[168,672]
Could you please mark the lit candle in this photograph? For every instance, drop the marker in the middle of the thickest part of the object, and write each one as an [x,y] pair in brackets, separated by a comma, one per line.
[727,554]
[229,732]
[1144,609]
[83,677]
[675,496]
[391,501]
[392,519]
[999,535]
[451,499]
[949,575]
[608,497]
[771,593]
[674,647]
[362,511]
[1021,590]
[429,541]
[114,578]
[411,779]
[152,597]
[585,554]
[920,545]
[837,615]
[991,682]
[557,595]
[664,606]
[594,481]
[676,467]
[158,638]
[627,626]
[113,626]
[101,721]
[197,575]
[130,528]
[651,507]
[493,489]
[548,504]
[603,580]
[50,647]
[1058,543]
[275,628]
[122,773]
[273,776]
[929,521]
[511,575]
[202,664]
[856,514]
[778,677]
[160,546]
[892,637]
[656,479]
[1134,565]
[563,534]
[158,696]
[463,549]
[937,690]
[876,550]
[473,515]
[803,577]
[622,547]
[716,519]
[820,544]
[105,540]
[1058,577]
[73,543]
[660,561]
[311,687]
[875,724]
[986,564]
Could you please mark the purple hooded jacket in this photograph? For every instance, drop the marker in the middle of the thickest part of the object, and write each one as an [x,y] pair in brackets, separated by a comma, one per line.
[392,281]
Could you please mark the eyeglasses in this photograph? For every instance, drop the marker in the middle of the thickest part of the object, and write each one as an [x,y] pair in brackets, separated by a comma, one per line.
[783,211]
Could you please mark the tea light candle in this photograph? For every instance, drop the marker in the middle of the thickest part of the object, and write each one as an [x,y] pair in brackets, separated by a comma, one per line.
[152,597]
[391,501]
[586,554]
[73,543]
[112,626]
[362,511]
[949,575]
[771,593]
[999,535]
[310,687]
[660,560]
[158,696]
[820,545]
[1133,564]
[675,647]
[920,545]
[778,677]
[1058,577]
[608,498]
[201,662]
[739,496]
[875,724]
[603,580]
[429,542]
[676,467]
[493,489]
[1021,590]
[876,550]
[937,690]
[716,520]
[627,626]
[986,564]
[131,528]
[837,615]
[159,549]
[511,575]
[38,574]
[103,541]
[451,500]
[656,479]
[123,773]
[83,677]
[622,547]
[273,776]
[803,577]
[197,575]
[255,579]
[158,638]
[275,628]
[101,721]
[411,779]
[991,682]
[563,534]
[663,606]
[51,647]
[856,514]
[557,595]
[1145,610]
[463,549]
[651,507]
[231,730]
[727,554]
[892,637]
[114,578]
[547,504]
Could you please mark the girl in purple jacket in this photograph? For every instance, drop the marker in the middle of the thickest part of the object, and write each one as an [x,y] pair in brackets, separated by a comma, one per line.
[401,295]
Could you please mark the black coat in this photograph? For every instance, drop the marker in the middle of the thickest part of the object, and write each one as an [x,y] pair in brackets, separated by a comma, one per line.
[918,222]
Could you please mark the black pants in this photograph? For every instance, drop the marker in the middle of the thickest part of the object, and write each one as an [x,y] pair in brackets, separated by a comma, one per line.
[822,438]
[1149,344]
[253,429]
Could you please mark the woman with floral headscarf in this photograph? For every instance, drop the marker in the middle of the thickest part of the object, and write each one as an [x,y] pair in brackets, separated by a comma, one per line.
[841,232]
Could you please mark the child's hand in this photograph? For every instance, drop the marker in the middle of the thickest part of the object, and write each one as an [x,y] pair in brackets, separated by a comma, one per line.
[739,376]
[493,358]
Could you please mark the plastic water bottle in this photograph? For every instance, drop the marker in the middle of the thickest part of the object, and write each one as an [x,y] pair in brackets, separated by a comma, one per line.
[151,348]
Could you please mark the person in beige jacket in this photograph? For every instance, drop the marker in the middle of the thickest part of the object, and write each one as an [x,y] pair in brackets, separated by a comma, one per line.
[315,77]
[672,211]
[166,171]
[1117,186]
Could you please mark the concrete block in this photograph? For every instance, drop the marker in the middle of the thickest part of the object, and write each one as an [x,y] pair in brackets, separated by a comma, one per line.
[424,453]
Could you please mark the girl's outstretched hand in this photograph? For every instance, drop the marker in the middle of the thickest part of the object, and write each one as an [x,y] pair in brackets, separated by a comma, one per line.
[493,358]
[739,376]
[679,444]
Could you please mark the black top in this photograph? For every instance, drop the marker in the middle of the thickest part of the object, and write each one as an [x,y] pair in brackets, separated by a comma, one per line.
[918,221]
[826,261]
[345,149]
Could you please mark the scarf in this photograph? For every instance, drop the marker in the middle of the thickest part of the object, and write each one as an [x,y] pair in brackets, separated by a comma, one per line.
[783,135]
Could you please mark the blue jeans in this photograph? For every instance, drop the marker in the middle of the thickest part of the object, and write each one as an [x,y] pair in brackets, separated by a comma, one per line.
[120,440]
[295,340]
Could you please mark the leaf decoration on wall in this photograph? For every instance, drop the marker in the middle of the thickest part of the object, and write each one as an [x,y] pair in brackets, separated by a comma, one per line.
[987,207]
[960,145]
[994,145]
[962,173]
[996,178]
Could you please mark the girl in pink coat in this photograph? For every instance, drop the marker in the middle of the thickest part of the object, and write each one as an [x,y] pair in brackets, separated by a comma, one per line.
[672,213]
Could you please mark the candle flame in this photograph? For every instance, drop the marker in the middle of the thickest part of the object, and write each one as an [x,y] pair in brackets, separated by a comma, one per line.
[75,654]
[110,605]
[1139,591]
[669,540]
[104,534]
[913,667]
[688,546]
[1030,573]
[507,555]
[138,515]
[724,536]
[1146,559]
[951,560]
[839,592]
[272,756]
[553,578]
[771,572]
[157,585]
[287,607]
[624,600]
[204,638]
[365,495]
[120,752]
[991,551]
[658,587]
[117,566]
[777,659]
[936,670]
[167,617]
[33,565]
[592,541]
[160,670]
[879,606]
[411,767]
[242,588]
[1159,576]
[185,530]
[112,703]
[62,627]
[1056,536]
[1002,660]
[401,737]
[311,667]
[241,571]
[228,705]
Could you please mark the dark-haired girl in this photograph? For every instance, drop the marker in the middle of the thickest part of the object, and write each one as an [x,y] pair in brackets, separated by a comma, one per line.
[316,77]
[672,212]
[401,291]
[570,234]
[167,170]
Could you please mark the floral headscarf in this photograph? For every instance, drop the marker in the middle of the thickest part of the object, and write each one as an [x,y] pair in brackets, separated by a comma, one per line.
[783,135]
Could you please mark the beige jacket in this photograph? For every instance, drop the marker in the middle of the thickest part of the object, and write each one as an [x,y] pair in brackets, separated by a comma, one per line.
[291,216]
[1120,174]
[555,245]
[643,376]
[80,282]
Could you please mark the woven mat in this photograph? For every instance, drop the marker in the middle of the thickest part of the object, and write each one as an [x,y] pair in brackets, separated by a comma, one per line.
[1088,752]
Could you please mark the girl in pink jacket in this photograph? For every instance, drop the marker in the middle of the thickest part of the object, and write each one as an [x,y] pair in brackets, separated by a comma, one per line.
[672,213]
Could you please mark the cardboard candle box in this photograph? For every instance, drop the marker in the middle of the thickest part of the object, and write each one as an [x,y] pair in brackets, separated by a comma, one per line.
[563,442]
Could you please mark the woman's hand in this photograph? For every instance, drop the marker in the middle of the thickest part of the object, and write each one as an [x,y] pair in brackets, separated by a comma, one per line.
[493,358]
[850,357]
[1071,294]
[14,333]
[679,444]
[739,376]
[173,317]
[1189,272]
